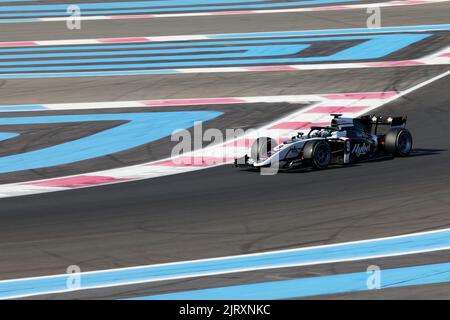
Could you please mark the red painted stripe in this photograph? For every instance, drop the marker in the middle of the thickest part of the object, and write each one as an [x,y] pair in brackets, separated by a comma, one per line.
[445,55]
[330,8]
[271,68]
[298,125]
[78,181]
[414,2]
[247,142]
[404,63]
[194,161]
[332,109]
[158,103]
[18,44]
[361,95]
[123,40]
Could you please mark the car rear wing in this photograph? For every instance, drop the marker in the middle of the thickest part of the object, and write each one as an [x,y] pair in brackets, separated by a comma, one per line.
[389,120]
[386,120]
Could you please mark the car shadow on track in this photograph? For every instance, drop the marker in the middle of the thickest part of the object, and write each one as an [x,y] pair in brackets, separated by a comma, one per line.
[419,152]
[425,152]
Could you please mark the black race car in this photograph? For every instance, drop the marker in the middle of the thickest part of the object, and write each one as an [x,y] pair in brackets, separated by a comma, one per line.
[346,140]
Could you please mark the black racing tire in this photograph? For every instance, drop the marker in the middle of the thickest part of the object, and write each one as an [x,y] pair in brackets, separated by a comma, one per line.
[261,147]
[317,154]
[398,142]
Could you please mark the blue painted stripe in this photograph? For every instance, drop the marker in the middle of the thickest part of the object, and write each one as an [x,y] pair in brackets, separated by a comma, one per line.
[234,52]
[197,47]
[234,36]
[21,108]
[409,244]
[201,49]
[91,53]
[7,135]
[140,128]
[85,8]
[375,47]
[316,286]
[6,1]
[439,27]
[20,20]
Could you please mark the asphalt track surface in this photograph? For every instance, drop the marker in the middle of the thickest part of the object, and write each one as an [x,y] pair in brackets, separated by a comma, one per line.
[225,211]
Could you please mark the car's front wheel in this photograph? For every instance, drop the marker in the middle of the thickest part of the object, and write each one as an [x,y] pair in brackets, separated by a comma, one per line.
[318,154]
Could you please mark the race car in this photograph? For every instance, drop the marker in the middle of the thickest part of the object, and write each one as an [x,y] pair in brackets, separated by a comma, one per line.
[344,141]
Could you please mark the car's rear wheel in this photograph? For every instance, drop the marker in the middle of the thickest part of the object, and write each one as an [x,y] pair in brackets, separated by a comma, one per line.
[262,148]
[318,154]
[398,142]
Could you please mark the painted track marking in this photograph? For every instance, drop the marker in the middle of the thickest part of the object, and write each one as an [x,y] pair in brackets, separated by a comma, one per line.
[408,244]
[263,53]
[138,129]
[316,286]
[152,169]
[371,47]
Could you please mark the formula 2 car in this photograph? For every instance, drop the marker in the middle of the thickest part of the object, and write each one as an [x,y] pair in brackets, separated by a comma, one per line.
[346,140]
